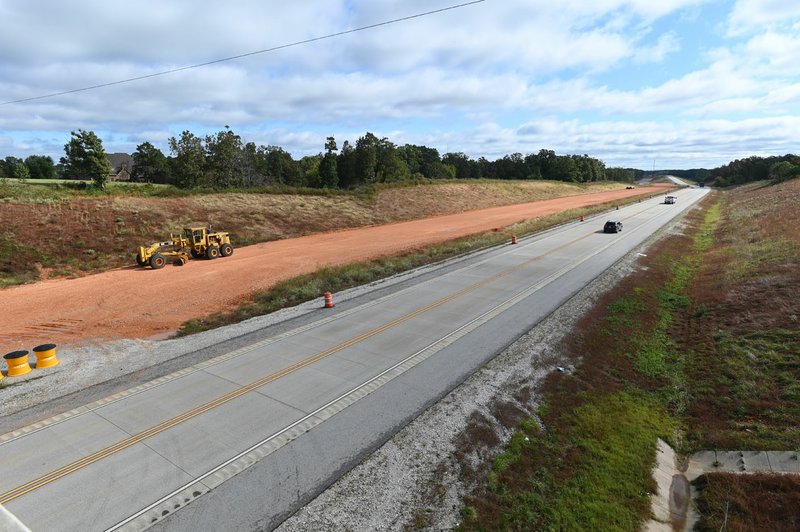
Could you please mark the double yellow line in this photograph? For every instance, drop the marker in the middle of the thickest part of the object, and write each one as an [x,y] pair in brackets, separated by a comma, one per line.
[161,427]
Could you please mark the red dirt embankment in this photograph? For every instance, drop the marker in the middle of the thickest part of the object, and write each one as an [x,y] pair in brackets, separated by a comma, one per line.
[140,302]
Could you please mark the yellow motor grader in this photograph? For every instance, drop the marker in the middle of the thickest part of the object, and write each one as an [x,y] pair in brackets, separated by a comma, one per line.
[199,240]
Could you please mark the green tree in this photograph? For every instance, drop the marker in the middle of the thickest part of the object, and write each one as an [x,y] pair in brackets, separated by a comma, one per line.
[254,165]
[366,159]
[189,162]
[282,168]
[563,168]
[22,173]
[388,165]
[346,166]
[465,167]
[41,166]
[309,170]
[424,160]
[224,158]
[86,159]
[150,165]
[9,165]
[783,171]
[328,175]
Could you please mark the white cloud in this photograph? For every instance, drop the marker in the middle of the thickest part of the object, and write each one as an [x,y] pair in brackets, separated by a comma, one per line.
[667,43]
[753,16]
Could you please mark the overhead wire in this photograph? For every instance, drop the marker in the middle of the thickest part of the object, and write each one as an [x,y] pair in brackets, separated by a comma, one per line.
[240,56]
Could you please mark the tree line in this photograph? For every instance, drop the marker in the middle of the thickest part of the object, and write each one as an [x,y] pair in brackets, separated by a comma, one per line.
[224,160]
[776,168]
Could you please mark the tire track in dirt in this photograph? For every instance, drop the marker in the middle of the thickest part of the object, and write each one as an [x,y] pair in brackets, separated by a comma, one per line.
[137,302]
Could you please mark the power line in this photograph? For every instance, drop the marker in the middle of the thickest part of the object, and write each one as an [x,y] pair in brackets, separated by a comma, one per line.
[248,54]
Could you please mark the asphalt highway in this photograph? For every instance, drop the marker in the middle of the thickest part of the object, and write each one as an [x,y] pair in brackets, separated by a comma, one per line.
[242,440]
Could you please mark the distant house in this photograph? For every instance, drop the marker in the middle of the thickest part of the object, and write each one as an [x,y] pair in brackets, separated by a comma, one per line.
[121,166]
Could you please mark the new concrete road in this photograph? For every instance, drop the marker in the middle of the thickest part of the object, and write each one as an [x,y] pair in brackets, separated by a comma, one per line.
[240,441]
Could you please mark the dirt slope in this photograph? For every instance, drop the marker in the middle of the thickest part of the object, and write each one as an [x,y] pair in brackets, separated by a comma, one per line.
[132,302]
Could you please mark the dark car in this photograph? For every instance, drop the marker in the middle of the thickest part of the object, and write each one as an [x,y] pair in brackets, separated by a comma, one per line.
[612,226]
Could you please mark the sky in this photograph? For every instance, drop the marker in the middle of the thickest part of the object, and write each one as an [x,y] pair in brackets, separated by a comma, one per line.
[668,84]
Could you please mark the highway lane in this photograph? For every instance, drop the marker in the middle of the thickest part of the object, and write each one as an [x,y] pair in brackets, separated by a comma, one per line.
[135,458]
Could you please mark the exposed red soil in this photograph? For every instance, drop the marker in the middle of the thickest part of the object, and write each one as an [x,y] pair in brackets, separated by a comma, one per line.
[137,302]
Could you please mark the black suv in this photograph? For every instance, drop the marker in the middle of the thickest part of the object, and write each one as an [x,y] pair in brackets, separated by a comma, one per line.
[612,227]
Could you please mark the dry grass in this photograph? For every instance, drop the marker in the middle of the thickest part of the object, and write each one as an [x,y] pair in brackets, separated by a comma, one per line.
[748,502]
[404,203]
[743,328]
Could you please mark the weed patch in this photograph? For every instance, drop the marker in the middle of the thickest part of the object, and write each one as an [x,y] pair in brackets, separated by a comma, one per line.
[593,476]
[729,501]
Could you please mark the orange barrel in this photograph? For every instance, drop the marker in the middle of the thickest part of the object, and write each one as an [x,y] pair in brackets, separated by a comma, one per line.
[328,300]
[45,356]
[17,363]
[513,239]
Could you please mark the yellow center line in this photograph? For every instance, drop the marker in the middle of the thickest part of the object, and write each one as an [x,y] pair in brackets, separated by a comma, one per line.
[161,427]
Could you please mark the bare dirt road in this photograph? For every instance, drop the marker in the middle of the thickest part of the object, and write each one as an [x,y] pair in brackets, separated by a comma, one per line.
[142,303]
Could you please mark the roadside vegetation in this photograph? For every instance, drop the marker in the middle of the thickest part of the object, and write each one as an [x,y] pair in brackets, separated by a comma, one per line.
[699,347]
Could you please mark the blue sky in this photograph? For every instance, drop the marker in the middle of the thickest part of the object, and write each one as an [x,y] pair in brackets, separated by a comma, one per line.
[670,84]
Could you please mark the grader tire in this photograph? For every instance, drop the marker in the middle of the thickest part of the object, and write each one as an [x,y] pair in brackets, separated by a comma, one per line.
[212,252]
[226,250]
[157,261]
[196,254]
[139,260]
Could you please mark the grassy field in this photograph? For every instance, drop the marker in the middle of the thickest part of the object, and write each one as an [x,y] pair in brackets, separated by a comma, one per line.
[56,231]
[700,347]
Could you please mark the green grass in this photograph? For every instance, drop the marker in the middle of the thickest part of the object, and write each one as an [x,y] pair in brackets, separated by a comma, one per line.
[537,483]
[756,382]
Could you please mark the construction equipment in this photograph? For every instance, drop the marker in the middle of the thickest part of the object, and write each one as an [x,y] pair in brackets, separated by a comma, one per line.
[198,240]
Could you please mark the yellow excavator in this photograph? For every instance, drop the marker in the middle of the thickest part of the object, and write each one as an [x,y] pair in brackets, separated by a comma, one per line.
[199,240]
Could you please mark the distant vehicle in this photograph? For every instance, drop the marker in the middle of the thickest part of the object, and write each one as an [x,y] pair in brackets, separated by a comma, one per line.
[669,200]
[702,184]
[629,187]
[612,226]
